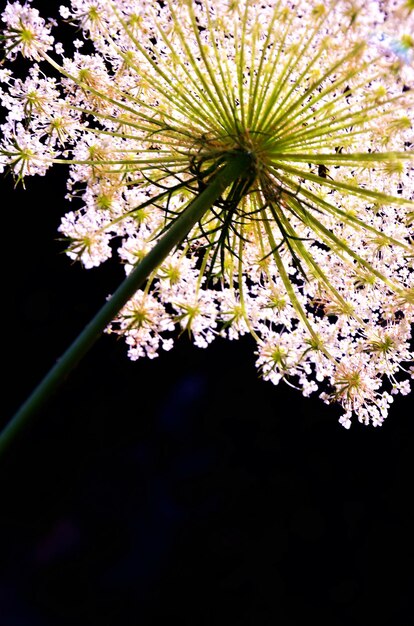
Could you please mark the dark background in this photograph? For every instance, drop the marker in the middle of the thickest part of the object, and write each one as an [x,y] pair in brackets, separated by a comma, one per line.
[184,489]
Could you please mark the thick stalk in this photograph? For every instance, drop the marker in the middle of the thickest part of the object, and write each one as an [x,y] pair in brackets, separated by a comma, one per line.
[235,168]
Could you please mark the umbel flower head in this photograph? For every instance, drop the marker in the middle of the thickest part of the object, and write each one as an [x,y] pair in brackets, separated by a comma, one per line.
[309,247]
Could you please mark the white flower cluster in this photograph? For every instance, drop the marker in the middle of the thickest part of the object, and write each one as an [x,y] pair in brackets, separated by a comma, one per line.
[26,32]
[312,253]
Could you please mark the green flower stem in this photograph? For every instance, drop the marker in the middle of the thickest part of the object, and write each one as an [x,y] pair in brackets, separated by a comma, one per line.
[236,167]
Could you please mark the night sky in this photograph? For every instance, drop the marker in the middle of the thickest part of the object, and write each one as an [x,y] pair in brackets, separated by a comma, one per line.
[184,489]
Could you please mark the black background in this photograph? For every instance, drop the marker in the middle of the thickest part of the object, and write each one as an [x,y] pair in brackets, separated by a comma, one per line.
[184,489]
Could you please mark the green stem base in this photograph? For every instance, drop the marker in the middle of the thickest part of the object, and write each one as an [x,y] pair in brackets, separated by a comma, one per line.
[234,169]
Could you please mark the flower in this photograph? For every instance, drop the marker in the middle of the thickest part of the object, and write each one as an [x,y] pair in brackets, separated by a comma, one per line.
[26,31]
[309,249]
